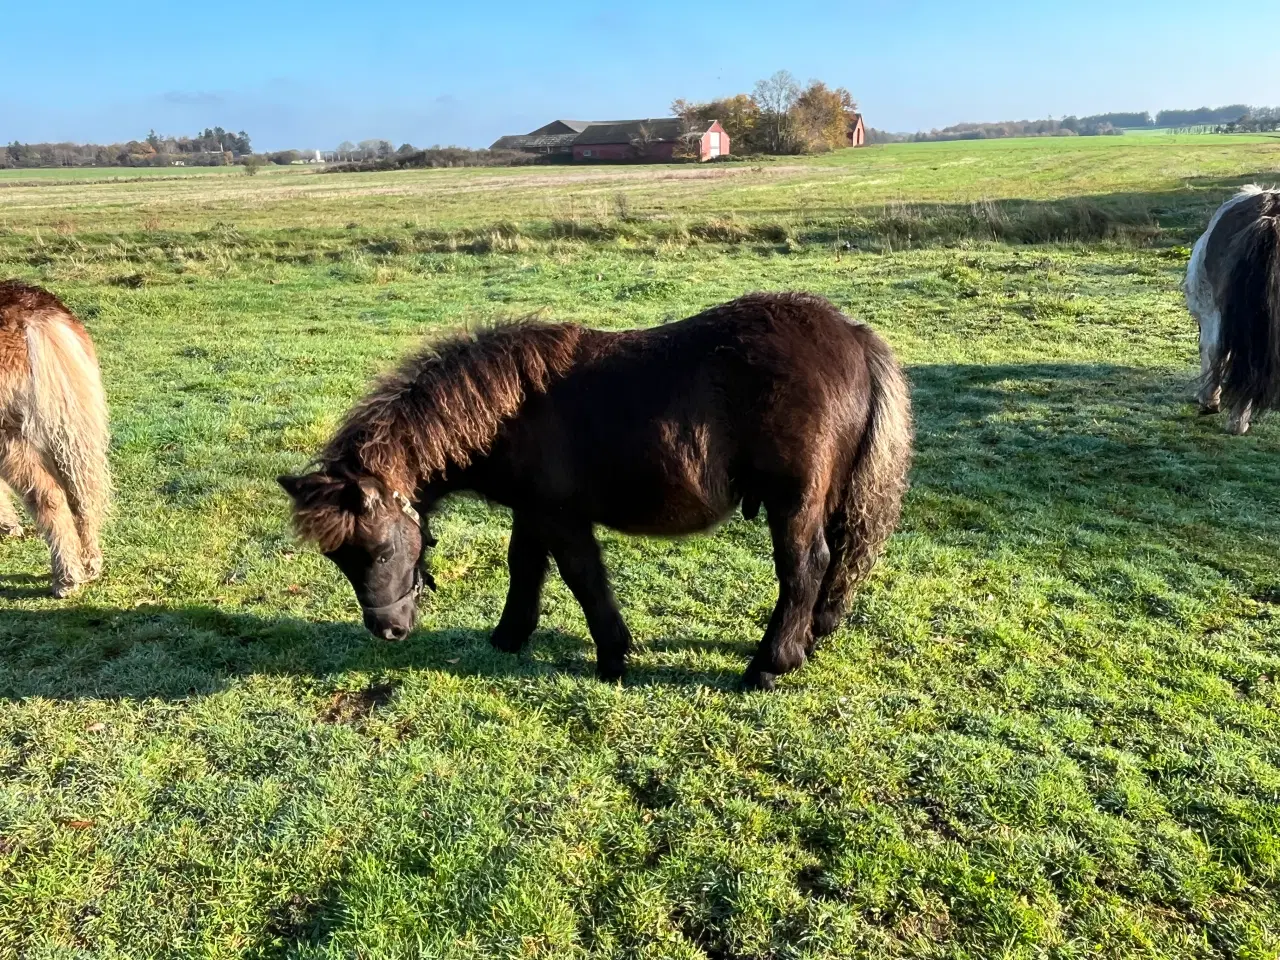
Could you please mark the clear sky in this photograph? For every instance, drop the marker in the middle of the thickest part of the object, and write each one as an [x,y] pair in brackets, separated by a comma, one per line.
[311,74]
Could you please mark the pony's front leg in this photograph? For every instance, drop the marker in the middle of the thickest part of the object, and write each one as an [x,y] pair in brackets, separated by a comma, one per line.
[578,556]
[1209,395]
[527,560]
[800,557]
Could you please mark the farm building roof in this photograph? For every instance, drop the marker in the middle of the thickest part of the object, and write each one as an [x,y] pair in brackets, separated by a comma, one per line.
[626,131]
[563,134]
[565,126]
[530,141]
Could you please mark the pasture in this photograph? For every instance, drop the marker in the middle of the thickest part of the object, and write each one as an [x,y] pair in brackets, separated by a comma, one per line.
[1051,726]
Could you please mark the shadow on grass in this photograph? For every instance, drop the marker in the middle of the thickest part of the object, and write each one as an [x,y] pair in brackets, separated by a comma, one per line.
[1009,453]
[23,586]
[176,652]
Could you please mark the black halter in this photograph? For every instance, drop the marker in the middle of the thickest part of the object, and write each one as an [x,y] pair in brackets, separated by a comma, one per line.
[421,575]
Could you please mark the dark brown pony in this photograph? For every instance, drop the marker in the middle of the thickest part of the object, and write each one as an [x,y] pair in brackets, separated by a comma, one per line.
[773,400]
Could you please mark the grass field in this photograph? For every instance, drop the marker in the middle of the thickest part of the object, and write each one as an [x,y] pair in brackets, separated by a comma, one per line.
[1051,727]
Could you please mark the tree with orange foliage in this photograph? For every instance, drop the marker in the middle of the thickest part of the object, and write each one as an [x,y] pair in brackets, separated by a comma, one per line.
[823,115]
[739,115]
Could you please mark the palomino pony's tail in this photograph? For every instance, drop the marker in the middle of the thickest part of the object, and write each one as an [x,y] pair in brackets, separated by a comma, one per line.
[68,419]
[859,527]
[1248,364]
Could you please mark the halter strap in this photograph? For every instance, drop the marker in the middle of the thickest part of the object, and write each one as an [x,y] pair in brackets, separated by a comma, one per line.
[421,575]
[406,507]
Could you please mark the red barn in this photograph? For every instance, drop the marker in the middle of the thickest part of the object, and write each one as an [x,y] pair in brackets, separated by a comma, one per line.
[554,137]
[661,140]
[857,134]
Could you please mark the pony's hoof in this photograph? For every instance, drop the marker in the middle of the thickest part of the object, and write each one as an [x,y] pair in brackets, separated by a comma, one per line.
[508,640]
[92,567]
[824,625]
[11,533]
[610,672]
[63,589]
[759,680]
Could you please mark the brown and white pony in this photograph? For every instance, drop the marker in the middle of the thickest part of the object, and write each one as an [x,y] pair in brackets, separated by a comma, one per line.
[53,430]
[1233,290]
[773,400]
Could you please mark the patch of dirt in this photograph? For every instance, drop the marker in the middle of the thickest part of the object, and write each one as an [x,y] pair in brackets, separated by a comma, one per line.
[352,706]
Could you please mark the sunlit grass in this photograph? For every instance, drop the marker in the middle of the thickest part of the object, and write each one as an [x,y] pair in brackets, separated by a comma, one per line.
[1051,726]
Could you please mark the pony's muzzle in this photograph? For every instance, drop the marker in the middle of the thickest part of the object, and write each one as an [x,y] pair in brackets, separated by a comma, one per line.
[394,622]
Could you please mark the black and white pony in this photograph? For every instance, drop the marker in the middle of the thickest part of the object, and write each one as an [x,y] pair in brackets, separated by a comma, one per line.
[1233,290]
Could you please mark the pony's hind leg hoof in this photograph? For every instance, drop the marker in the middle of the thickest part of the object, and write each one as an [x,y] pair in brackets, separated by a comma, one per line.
[1239,420]
[92,563]
[509,639]
[755,679]
[11,531]
[68,578]
[62,589]
[611,669]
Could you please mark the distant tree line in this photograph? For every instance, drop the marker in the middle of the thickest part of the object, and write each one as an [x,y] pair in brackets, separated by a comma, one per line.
[1066,127]
[408,157]
[1202,117]
[1236,118]
[1257,120]
[213,147]
[779,116]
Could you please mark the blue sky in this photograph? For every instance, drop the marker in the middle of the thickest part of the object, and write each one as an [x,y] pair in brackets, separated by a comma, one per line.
[315,73]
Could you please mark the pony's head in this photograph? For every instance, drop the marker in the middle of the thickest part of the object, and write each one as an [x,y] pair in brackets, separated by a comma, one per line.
[374,536]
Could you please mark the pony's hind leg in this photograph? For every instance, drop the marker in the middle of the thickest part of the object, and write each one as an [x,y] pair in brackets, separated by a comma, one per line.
[10,522]
[833,595]
[1239,419]
[1209,396]
[527,561]
[86,496]
[801,559]
[23,466]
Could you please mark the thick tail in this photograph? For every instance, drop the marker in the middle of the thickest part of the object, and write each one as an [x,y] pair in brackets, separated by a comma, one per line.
[1248,362]
[67,416]
[872,500]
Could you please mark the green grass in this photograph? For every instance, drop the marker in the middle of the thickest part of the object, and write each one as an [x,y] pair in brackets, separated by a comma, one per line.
[1051,726]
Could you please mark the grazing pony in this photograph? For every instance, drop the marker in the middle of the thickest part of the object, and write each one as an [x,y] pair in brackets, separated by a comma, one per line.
[1233,290]
[773,400]
[53,430]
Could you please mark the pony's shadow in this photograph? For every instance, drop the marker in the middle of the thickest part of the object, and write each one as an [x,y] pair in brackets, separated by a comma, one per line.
[23,586]
[179,652]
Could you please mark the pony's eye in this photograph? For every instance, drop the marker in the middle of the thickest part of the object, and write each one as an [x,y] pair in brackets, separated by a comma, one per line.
[384,558]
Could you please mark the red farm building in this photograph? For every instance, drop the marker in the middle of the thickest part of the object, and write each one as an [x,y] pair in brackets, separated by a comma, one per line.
[657,141]
[653,141]
[857,135]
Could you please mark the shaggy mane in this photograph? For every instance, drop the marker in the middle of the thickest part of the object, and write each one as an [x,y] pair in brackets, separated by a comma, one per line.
[445,405]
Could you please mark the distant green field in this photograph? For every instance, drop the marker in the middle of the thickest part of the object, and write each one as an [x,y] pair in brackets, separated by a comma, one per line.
[1050,728]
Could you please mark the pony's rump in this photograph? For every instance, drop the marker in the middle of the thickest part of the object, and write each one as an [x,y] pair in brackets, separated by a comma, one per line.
[1233,290]
[53,426]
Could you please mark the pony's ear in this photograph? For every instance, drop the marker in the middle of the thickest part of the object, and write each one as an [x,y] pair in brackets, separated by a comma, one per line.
[290,484]
[325,508]
[366,497]
[312,490]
